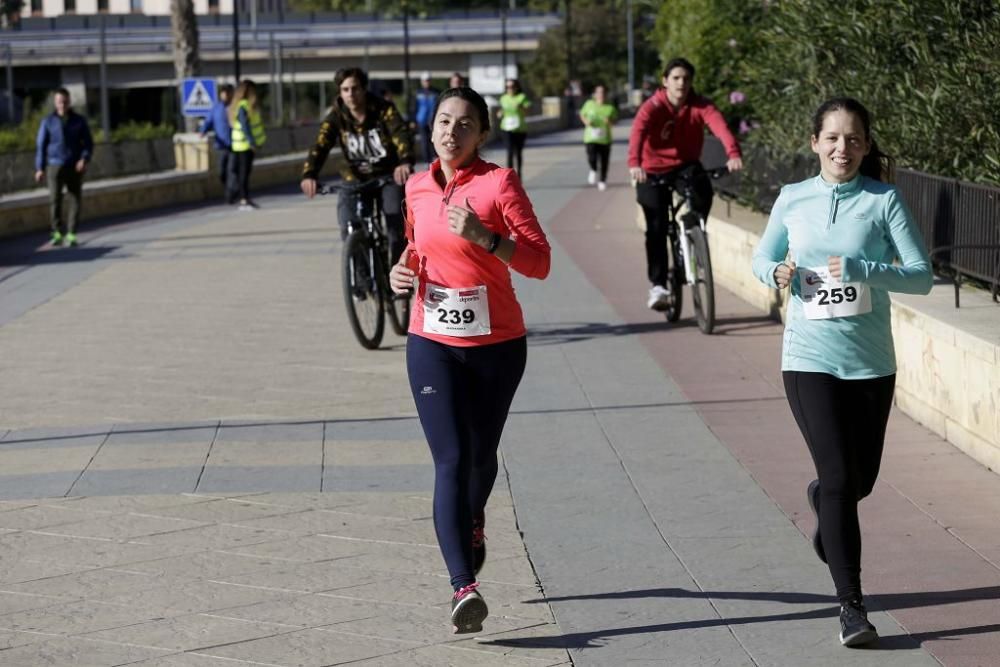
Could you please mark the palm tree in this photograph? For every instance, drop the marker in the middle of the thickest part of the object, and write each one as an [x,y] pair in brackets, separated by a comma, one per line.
[184,28]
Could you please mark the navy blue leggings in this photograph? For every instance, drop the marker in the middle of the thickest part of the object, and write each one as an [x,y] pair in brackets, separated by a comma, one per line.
[463,395]
[843,423]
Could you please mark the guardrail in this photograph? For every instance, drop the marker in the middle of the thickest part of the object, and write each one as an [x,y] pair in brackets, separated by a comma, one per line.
[123,38]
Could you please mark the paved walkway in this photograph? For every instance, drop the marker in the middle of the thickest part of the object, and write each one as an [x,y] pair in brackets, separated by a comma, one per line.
[200,467]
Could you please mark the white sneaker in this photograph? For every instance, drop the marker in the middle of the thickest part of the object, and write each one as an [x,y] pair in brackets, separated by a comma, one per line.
[591,177]
[602,186]
[659,298]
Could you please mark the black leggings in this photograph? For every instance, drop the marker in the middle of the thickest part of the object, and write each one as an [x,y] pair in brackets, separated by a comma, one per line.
[843,423]
[597,158]
[515,146]
[243,165]
[462,395]
[655,200]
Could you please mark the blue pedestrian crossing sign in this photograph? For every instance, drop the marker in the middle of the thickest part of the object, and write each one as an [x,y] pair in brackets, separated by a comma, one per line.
[198,97]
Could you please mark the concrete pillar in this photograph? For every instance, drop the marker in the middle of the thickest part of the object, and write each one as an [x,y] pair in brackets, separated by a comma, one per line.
[191,152]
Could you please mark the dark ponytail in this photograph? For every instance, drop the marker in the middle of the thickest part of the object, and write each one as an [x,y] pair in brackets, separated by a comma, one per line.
[876,165]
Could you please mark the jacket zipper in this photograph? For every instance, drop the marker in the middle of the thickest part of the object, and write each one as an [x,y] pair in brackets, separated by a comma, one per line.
[832,219]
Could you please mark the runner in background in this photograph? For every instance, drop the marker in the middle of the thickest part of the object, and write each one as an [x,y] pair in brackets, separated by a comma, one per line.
[513,104]
[598,117]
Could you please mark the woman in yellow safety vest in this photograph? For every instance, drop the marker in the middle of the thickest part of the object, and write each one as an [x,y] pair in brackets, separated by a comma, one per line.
[248,135]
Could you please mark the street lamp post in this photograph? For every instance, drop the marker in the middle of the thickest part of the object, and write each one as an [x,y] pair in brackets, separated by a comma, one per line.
[236,40]
[406,56]
[631,48]
[503,39]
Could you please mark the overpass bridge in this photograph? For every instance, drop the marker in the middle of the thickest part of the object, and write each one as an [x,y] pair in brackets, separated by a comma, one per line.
[297,49]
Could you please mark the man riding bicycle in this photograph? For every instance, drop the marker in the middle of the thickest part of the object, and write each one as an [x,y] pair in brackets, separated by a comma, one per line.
[667,138]
[374,141]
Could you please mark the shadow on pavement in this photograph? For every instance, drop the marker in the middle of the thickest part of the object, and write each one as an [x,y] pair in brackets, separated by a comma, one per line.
[555,334]
[884,602]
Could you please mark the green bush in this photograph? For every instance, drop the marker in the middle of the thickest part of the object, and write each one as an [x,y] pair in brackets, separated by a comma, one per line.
[928,70]
[716,36]
[22,137]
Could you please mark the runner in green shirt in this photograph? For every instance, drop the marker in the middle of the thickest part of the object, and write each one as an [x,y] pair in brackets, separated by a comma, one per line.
[513,104]
[598,117]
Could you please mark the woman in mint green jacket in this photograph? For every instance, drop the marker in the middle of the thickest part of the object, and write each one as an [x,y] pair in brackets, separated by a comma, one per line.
[849,241]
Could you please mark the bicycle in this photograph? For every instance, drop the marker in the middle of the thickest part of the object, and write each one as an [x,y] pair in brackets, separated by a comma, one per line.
[691,262]
[365,265]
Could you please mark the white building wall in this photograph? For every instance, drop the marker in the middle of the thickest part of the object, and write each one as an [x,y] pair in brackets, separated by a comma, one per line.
[52,8]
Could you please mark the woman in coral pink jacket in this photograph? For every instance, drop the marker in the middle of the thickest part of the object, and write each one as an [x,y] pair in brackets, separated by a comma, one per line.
[468,222]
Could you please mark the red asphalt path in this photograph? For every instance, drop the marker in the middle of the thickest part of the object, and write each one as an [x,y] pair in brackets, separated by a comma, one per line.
[931,538]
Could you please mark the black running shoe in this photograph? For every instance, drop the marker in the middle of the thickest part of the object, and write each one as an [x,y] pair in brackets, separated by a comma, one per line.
[478,545]
[855,629]
[812,494]
[468,610]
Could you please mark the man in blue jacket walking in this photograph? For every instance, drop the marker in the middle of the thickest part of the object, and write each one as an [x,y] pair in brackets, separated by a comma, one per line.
[426,99]
[63,149]
[218,122]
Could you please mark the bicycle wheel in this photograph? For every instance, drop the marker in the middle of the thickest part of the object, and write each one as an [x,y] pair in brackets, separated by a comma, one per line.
[399,312]
[362,295]
[676,300]
[703,288]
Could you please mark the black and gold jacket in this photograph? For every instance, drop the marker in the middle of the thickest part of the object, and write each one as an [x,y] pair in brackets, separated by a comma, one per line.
[372,148]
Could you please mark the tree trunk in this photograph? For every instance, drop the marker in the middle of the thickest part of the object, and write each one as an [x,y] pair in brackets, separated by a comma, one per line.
[184,28]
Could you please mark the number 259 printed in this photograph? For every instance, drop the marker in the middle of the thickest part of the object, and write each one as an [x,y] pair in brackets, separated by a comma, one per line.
[837,295]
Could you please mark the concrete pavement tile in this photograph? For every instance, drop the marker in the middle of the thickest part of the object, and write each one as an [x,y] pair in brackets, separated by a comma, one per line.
[403,427]
[369,452]
[388,504]
[80,553]
[123,527]
[189,632]
[190,597]
[54,437]
[163,433]
[302,611]
[37,485]
[40,461]
[306,648]
[119,504]
[125,481]
[11,639]
[536,643]
[35,517]
[80,616]
[303,577]
[379,478]
[223,510]
[77,652]
[304,549]
[449,655]
[198,660]
[92,584]
[374,528]
[119,455]
[216,537]
[201,565]
[265,453]
[13,601]
[15,570]
[419,625]
[266,432]
[238,478]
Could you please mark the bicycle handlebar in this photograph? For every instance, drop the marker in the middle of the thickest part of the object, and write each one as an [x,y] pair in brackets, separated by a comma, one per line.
[352,187]
[671,177]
